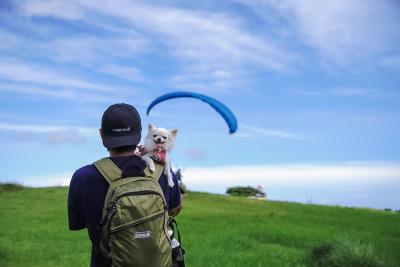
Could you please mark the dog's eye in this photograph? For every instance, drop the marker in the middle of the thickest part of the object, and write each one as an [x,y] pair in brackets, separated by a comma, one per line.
[164,137]
[154,135]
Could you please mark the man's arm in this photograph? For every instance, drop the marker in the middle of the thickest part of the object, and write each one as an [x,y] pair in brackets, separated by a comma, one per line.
[75,220]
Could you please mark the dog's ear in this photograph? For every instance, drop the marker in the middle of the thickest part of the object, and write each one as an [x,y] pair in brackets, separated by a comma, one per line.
[173,132]
[151,127]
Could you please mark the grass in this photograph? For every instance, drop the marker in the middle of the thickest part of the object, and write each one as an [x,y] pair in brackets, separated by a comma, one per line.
[216,231]
[345,253]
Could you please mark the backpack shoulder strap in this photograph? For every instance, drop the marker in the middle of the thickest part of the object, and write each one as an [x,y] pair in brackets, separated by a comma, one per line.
[157,172]
[108,169]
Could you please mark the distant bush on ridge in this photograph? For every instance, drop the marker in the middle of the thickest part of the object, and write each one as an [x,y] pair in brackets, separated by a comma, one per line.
[245,191]
[10,187]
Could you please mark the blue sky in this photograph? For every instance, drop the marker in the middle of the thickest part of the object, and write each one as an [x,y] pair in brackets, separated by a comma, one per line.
[312,83]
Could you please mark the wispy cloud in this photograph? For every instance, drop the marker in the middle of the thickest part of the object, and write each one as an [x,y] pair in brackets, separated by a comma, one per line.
[344,32]
[208,80]
[336,92]
[127,73]
[92,50]
[59,93]
[195,153]
[252,131]
[18,71]
[25,77]
[209,48]
[216,36]
[116,48]
[39,128]
[67,136]
[8,39]
[392,61]
[354,91]
[47,134]
[53,8]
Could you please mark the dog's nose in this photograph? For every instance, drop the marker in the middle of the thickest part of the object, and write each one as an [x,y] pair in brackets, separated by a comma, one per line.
[158,139]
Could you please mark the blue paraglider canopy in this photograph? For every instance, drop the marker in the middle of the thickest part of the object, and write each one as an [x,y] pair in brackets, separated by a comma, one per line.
[223,110]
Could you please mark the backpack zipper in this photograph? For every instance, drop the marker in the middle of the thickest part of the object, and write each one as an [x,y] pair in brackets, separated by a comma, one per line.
[144,192]
[139,222]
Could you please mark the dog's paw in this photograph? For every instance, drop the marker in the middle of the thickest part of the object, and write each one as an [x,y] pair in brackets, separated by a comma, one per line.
[169,177]
[170,182]
[152,167]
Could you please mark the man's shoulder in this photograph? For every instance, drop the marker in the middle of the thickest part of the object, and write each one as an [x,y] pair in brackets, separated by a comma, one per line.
[85,174]
[87,170]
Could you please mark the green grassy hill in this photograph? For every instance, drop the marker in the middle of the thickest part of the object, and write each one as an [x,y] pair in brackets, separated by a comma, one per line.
[217,231]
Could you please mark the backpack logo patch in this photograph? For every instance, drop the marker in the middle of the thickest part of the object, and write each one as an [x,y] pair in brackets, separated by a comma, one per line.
[141,235]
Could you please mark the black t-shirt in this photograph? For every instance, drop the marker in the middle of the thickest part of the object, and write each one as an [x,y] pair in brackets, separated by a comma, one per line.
[87,192]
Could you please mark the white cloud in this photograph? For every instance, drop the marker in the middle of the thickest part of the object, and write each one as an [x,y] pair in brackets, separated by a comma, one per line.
[25,77]
[56,179]
[252,130]
[47,134]
[65,136]
[392,61]
[195,153]
[90,51]
[39,128]
[8,40]
[205,44]
[360,184]
[127,73]
[208,43]
[271,176]
[52,8]
[342,31]
[95,52]
[293,175]
[336,92]
[208,80]
[65,94]
[19,71]
[352,91]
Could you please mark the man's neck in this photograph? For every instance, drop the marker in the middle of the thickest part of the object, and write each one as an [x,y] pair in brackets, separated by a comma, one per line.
[122,154]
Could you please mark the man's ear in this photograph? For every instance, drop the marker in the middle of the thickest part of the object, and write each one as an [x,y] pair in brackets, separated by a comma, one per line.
[173,132]
[101,132]
[151,127]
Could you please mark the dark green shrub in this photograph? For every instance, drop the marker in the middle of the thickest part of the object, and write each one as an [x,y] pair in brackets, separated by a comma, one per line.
[345,253]
[244,191]
[10,187]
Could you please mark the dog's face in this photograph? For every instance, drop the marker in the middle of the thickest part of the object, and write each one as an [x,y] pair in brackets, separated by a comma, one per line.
[160,138]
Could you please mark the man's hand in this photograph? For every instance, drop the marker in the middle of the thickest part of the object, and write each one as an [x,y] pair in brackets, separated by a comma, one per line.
[175,211]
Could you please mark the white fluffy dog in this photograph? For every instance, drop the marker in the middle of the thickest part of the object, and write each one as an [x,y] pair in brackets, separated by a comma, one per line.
[158,143]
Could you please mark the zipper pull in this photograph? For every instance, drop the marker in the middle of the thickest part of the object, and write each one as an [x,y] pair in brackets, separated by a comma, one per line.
[111,241]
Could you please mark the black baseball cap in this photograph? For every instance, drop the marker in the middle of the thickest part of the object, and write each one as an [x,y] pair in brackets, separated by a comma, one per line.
[120,126]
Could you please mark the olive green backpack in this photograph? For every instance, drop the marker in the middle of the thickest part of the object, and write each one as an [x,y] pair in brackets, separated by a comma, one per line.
[135,218]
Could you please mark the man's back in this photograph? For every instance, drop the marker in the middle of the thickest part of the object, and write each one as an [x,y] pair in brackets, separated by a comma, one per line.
[87,193]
